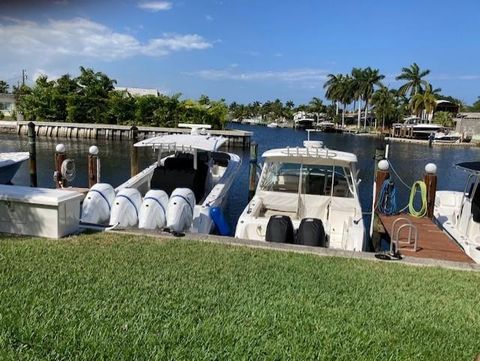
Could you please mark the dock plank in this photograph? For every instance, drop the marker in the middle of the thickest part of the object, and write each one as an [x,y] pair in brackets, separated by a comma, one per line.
[432,241]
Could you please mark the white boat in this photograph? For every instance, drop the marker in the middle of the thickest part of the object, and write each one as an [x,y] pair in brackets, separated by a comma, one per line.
[179,191]
[459,212]
[313,190]
[10,162]
[272,125]
[303,120]
[442,137]
[418,128]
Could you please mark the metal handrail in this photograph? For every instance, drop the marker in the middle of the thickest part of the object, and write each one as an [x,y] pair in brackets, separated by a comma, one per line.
[395,235]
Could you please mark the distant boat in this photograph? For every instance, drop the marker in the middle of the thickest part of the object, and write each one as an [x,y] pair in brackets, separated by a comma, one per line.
[10,162]
[417,128]
[327,127]
[441,137]
[303,120]
[272,125]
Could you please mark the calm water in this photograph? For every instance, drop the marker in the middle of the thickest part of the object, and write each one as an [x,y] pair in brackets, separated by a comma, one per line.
[408,159]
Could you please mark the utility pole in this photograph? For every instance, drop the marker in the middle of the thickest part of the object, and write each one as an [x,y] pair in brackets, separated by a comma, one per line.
[24,76]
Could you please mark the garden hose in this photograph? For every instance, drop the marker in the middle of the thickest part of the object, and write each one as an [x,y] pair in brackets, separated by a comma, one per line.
[423,194]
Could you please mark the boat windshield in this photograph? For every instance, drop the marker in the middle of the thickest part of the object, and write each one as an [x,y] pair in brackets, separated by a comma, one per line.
[323,180]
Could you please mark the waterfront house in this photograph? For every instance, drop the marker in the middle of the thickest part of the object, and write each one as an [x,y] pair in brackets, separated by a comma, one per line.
[7,104]
[138,91]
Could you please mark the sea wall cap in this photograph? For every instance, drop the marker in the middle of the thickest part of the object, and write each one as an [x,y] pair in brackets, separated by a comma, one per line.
[431,168]
[383,165]
[60,148]
[93,150]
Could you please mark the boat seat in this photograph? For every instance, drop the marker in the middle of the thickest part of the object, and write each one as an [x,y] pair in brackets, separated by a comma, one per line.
[221,159]
[179,173]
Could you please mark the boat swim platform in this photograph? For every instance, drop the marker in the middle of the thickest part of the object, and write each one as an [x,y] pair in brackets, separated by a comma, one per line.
[286,247]
[433,243]
[234,137]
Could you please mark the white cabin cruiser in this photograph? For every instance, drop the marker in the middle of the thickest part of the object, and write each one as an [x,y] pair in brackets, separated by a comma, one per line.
[459,212]
[311,191]
[179,191]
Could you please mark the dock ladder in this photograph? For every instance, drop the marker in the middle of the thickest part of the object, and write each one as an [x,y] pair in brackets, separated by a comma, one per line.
[403,223]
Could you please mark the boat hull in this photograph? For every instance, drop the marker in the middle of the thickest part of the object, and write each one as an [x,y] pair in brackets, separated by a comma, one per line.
[7,172]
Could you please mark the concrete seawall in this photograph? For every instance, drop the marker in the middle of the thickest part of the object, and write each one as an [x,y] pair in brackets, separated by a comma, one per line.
[235,138]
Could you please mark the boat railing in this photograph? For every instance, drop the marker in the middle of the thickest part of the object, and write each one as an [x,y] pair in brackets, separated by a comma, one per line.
[310,152]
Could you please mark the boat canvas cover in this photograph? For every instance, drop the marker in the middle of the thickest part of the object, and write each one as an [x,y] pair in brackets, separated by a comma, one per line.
[473,167]
[12,157]
[184,141]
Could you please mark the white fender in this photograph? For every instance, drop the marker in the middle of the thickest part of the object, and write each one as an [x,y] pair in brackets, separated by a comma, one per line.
[180,210]
[97,204]
[125,208]
[153,212]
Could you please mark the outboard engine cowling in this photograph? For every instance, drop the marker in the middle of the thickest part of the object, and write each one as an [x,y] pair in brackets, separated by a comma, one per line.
[180,209]
[98,203]
[311,233]
[280,229]
[153,212]
[125,208]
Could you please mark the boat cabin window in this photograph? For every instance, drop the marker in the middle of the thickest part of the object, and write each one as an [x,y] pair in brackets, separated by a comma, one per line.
[320,180]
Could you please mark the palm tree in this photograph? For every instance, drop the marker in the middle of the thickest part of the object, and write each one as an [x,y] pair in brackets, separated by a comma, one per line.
[413,77]
[371,78]
[346,94]
[356,88]
[333,87]
[424,101]
[383,102]
[3,87]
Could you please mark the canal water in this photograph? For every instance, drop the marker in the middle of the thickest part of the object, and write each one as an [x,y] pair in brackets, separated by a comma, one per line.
[408,160]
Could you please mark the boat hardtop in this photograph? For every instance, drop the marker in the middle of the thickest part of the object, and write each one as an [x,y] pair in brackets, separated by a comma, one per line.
[12,157]
[310,155]
[183,142]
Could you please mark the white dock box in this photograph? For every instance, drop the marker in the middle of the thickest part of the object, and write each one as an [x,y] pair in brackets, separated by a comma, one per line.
[42,212]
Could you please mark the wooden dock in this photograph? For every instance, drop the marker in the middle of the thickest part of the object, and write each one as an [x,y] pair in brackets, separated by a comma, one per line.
[113,131]
[433,243]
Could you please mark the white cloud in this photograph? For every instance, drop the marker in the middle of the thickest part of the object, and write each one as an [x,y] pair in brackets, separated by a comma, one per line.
[209,17]
[155,5]
[60,46]
[307,76]
[80,37]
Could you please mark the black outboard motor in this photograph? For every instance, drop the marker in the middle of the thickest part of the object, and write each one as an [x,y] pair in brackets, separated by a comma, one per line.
[280,229]
[311,233]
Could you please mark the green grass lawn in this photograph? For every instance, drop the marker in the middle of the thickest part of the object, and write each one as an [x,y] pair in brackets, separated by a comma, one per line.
[111,297]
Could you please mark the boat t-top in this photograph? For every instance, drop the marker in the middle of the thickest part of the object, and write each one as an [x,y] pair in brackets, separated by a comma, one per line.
[459,212]
[306,195]
[181,191]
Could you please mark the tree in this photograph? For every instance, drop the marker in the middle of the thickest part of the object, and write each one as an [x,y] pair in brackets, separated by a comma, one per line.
[444,118]
[357,89]
[316,105]
[413,77]
[383,102]
[371,78]
[333,88]
[424,101]
[4,87]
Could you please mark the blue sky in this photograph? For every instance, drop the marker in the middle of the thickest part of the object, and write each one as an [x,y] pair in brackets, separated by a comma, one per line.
[243,50]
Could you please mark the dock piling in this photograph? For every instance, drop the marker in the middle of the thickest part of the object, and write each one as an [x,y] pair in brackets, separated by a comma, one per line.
[381,174]
[253,170]
[430,180]
[133,151]
[33,154]
[93,166]
[60,156]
